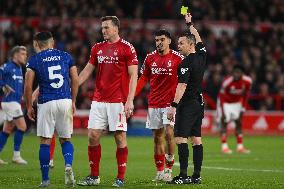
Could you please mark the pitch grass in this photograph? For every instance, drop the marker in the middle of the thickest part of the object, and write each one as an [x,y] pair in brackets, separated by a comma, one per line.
[263,168]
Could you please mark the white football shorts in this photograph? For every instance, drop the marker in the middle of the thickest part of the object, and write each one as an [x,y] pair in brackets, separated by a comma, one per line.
[55,114]
[107,116]
[157,118]
[231,111]
[12,110]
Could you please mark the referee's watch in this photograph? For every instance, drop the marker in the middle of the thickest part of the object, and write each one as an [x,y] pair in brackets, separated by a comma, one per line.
[174,104]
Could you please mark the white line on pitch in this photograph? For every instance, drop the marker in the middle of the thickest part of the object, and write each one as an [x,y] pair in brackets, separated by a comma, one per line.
[238,169]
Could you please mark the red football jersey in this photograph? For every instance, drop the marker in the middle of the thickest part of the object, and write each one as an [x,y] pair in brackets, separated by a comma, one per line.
[162,72]
[112,78]
[235,91]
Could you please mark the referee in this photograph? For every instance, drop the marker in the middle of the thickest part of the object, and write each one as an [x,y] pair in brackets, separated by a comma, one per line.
[188,105]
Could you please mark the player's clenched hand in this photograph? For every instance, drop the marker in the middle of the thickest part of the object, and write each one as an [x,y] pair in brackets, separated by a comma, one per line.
[31,113]
[171,113]
[7,90]
[128,108]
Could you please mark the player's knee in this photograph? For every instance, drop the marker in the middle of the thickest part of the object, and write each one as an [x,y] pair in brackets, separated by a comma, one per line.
[170,136]
[21,124]
[62,140]
[94,137]
[44,140]
[196,141]
[120,139]
[180,140]
[158,136]
[8,129]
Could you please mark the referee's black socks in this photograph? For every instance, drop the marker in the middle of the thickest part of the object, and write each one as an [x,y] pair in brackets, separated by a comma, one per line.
[197,159]
[183,154]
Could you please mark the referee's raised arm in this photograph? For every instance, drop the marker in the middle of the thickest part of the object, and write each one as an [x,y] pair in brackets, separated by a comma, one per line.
[192,29]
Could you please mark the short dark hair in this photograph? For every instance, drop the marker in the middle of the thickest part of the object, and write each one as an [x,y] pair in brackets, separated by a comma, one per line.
[17,49]
[239,67]
[43,36]
[163,32]
[189,36]
[113,19]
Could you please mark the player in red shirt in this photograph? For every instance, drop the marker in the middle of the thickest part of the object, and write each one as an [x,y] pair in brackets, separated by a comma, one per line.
[231,104]
[160,67]
[116,62]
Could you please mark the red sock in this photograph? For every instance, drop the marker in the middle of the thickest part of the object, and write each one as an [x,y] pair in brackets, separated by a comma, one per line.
[224,138]
[160,161]
[52,146]
[94,153]
[239,139]
[121,158]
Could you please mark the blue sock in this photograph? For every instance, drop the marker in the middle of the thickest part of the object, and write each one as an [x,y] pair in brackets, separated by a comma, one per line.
[44,158]
[3,140]
[18,139]
[67,151]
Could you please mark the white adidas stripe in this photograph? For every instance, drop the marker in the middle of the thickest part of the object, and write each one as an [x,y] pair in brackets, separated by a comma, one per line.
[238,169]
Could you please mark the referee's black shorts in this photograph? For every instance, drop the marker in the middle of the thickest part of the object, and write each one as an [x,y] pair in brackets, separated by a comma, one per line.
[188,119]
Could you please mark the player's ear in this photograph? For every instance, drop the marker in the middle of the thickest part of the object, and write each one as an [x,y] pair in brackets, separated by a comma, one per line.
[170,41]
[52,42]
[35,44]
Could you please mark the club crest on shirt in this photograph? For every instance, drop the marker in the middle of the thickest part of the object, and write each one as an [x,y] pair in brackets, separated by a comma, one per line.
[169,63]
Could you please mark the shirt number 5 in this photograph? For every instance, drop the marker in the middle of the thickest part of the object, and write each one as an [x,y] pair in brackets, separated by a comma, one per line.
[53,76]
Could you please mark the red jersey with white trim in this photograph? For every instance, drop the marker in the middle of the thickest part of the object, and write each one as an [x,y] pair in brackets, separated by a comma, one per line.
[111,62]
[162,72]
[235,91]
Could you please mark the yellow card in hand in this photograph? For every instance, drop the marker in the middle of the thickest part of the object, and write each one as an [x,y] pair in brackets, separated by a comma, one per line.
[183,10]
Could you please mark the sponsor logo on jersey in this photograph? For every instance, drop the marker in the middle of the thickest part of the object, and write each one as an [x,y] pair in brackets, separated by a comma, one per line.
[235,91]
[51,58]
[107,60]
[17,77]
[154,64]
[100,52]
[162,71]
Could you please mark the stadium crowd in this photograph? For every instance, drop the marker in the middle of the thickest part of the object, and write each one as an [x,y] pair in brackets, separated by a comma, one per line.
[259,47]
[235,10]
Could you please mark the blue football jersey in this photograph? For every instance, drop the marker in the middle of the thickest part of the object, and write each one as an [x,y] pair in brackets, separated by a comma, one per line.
[11,74]
[52,72]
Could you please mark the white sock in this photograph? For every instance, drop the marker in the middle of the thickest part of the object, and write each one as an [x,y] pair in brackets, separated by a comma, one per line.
[160,172]
[169,157]
[239,146]
[17,154]
[225,146]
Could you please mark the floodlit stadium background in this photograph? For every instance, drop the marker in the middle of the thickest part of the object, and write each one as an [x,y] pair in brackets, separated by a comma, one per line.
[249,32]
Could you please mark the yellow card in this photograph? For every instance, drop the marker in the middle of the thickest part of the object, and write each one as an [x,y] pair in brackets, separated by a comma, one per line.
[183,10]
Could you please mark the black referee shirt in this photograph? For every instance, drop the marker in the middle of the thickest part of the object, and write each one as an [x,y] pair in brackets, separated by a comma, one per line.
[191,72]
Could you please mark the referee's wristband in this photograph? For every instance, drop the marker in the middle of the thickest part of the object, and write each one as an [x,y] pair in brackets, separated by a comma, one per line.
[174,104]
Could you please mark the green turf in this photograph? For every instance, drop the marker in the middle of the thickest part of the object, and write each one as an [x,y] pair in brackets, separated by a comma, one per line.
[245,171]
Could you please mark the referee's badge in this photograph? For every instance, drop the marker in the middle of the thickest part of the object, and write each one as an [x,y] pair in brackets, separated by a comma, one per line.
[183,70]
